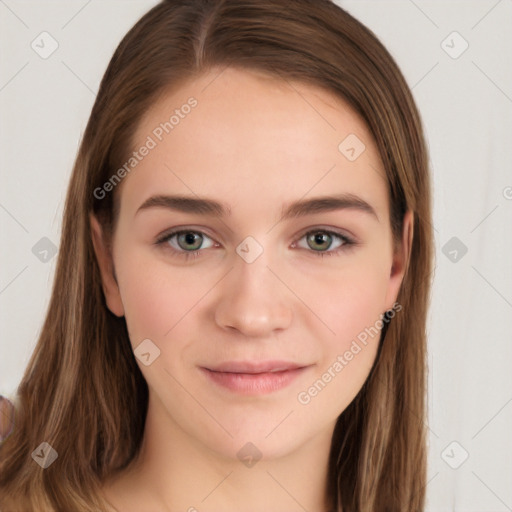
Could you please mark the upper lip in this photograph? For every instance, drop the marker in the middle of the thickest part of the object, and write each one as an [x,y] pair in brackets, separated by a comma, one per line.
[254,367]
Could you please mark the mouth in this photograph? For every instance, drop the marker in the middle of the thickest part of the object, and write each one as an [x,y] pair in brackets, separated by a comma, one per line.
[251,378]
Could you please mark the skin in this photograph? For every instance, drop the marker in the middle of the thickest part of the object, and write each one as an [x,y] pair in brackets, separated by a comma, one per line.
[256,144]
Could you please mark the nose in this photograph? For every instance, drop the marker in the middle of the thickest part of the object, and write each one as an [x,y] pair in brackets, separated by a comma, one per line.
[253,301]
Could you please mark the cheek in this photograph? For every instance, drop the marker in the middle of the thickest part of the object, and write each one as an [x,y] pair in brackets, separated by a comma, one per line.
[345,300]
[350,302]
[155,297]
[354,314]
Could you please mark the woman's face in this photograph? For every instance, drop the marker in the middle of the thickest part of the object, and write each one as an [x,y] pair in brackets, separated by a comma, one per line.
[263,313]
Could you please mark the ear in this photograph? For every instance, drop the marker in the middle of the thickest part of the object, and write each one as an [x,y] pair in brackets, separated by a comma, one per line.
[106,265]
[400,260]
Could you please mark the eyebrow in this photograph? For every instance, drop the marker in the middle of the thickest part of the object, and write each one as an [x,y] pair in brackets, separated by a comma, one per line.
[301,208]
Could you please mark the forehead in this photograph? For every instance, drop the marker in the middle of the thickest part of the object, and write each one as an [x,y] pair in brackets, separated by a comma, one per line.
[237,135]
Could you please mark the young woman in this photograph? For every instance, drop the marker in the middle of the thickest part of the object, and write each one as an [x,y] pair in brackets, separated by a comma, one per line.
[239,309]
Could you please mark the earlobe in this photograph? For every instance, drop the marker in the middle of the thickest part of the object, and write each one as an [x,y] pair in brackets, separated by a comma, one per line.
[106,266]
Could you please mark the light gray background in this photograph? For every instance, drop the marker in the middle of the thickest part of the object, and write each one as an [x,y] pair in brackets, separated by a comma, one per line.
[466,104]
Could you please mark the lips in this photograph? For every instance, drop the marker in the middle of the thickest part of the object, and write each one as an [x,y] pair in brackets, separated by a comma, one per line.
[254,378]
[251,367]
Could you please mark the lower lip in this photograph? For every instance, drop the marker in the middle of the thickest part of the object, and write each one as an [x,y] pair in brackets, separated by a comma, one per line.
[254,383]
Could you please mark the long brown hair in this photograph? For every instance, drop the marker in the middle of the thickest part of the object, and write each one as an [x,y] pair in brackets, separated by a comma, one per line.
[83,392]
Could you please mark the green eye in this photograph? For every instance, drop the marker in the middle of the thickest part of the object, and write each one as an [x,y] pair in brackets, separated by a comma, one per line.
[325,242]
[319,241]
[190,240]
[186,241]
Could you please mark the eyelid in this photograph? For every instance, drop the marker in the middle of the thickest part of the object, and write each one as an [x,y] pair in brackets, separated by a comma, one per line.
[182,229]
[167,235]
[349,241]
[343,233]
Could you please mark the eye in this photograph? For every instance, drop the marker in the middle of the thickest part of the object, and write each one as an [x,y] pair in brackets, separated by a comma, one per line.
[324,242]
[186,241]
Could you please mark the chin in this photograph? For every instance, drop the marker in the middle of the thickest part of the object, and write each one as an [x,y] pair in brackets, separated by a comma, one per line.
[261,438]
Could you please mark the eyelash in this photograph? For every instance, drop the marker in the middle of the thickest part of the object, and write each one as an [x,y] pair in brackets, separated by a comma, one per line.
[348,243]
